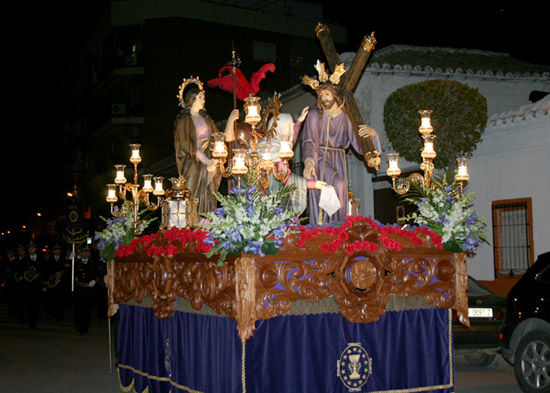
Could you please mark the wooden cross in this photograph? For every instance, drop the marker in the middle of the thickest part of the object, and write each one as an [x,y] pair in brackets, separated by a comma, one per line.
[347,84]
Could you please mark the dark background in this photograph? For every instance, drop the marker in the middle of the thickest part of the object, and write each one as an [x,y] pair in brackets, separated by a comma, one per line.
[47,35]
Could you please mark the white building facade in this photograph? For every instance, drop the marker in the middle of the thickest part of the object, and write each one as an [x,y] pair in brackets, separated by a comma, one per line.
[512,161]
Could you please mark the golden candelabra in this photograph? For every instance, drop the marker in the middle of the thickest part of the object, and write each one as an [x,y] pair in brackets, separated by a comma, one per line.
[254,161]
[121,188]
[401,185]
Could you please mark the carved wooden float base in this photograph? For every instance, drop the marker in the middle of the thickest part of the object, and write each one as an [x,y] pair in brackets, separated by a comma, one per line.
[249,287]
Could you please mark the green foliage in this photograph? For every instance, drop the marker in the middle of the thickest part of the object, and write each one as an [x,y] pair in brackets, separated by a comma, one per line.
[447,211]
[249,221]
[120,230]
[459,116]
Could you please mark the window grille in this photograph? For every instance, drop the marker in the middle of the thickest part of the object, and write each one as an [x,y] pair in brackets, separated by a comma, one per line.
[512,236]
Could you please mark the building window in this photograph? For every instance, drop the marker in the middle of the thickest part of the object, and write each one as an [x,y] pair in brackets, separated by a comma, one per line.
[512,236]
[264,51]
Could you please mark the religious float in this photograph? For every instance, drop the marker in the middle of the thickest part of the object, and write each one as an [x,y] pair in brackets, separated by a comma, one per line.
[254,301]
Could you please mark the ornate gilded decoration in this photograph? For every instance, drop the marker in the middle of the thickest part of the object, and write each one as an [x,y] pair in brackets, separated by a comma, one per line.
[338,72]
[320,28]
[321,72]
[313,83]
[354,367]
[245,296]
[369,42]
[249,287]
[323,77]
[188,81]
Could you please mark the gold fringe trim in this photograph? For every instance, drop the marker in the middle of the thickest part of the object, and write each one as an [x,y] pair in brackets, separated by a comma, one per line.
[243,367]
[419,303]
[149,376]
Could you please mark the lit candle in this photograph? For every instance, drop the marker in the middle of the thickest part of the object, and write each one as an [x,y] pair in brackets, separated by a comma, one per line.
[428,151]
[462,172]
[147,183]
[265,153]
[239,164]
[111,193]
[252,109]
[285,152]
[425,126]
[393,165]
[159,190]
[220,150]
[135,157]
[119,178]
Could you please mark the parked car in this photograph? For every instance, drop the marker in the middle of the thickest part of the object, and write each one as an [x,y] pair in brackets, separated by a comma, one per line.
[525,334]
[479,343]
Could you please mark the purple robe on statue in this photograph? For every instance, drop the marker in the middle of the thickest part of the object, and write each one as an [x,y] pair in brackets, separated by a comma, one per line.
[329,158]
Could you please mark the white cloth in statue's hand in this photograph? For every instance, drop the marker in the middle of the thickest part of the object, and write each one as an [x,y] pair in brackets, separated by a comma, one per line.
[329,201]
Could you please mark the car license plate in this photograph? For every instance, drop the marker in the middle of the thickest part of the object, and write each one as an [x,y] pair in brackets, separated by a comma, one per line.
[480,312]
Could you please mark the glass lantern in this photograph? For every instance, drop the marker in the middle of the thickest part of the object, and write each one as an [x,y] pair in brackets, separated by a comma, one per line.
[159,190]
[111,193]
[425,125]
[462,171]
[135,158]
[174,206]
[147,183]
[253,110]
[119,177]
[428,151]
[393,165]
[286,153]
[220,149]
[239,162]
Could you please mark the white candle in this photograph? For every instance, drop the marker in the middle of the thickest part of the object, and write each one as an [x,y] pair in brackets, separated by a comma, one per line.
[135,158]
[119,178]
[426,122]
[219,149]
[239,164]
[286,151]
[111,193]
[462,173]
[147,184]
[158,191]
[428,151]
[393,165]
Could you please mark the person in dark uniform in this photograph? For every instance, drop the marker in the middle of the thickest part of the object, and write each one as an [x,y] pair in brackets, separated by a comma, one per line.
[56,294]
[34,276]
[18,293]
[86,276]
[8,282]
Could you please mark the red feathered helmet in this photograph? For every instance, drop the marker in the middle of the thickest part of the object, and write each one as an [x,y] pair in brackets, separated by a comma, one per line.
[243,87]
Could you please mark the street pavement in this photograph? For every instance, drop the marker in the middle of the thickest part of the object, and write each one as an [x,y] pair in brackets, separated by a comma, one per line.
[54,359]
[498,377]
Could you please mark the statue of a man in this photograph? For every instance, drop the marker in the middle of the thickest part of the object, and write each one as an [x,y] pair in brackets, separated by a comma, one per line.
[328,132]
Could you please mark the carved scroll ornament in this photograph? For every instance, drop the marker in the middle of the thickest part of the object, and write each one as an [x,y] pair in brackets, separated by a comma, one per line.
[249,287]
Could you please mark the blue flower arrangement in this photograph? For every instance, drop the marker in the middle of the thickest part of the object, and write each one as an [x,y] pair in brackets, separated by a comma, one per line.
[120,230]
[249,221]
[447,211]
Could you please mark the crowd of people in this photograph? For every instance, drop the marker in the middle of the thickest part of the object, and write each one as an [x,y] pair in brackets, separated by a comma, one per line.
[34,279]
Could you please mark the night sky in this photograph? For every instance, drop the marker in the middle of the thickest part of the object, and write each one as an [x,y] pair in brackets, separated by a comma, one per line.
[45,40]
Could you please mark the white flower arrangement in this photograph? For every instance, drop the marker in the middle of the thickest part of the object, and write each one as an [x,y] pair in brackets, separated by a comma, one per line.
[248,221]
[447,211]
[120,230]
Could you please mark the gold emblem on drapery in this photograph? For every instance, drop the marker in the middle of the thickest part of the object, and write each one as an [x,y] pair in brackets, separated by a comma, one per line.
[354,367]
